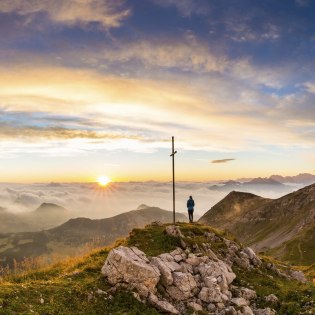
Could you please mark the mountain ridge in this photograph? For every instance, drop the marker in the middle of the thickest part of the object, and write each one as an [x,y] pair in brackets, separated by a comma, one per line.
[268,224]
[78,233]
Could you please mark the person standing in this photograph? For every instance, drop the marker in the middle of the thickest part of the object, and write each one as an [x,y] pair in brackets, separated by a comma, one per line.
[190,207]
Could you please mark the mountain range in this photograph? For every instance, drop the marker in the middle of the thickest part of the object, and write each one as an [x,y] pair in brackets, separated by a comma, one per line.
[302,178]
[283,227]
[260,184]
[77,236]
[276,183]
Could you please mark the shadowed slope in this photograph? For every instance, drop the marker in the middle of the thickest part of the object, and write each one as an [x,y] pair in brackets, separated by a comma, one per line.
[266,223]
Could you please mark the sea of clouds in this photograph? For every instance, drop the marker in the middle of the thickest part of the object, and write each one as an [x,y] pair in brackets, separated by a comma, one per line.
[93,201]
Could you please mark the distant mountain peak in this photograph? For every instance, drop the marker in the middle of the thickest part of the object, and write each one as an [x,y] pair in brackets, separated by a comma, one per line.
[240,194]
[232,182]
[143,206]
[46,206]
[264,181]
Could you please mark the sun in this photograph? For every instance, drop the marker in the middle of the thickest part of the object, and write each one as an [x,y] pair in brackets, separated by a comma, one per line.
[103,180]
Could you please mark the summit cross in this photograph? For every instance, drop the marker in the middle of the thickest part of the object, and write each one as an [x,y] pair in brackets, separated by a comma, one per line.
[173,167]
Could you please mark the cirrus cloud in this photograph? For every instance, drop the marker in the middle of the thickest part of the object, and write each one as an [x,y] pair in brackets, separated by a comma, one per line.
[107,13]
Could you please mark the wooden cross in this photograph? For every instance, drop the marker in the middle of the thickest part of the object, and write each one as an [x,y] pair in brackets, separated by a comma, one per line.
[173,163]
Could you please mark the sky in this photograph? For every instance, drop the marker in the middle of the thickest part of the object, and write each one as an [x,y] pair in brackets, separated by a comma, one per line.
[99,87]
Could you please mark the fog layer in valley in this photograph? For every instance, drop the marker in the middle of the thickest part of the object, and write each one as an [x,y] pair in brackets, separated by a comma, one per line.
[93,201]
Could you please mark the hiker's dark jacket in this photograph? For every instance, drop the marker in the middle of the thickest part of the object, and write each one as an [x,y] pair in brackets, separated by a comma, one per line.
[190,204]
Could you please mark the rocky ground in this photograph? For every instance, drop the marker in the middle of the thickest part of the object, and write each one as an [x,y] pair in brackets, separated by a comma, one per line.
[192,277]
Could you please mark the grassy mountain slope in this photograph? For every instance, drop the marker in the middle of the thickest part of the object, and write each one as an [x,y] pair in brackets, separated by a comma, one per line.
[77,286]
[282,224]
[77,235]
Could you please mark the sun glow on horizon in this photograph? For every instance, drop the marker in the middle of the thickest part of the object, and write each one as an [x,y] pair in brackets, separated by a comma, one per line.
[103,181]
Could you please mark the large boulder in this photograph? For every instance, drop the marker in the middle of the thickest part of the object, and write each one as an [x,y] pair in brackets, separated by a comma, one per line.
[131,266]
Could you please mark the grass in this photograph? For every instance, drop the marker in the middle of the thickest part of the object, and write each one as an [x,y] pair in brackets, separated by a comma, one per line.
[67,288]
[299,250]
[293,295]
[72,286]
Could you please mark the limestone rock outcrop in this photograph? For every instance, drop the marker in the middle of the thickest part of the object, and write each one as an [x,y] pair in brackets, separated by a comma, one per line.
[131,266]
[186,278]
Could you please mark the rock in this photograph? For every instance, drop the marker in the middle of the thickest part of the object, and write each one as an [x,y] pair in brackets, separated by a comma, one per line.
[230,310]
[239,301]
[183,244]
[183,284]
[246,310]
[174,266]
[178,258]
[220,306]
[166,257]
[212,295]
[246,293]
[211,307]
[130,266]
[298,275]
[193,260]
[265,311]
[210,281]
[195,248]
[173,230]
[101,292]
[271,298]
[210,236]
[136,296]
[186,268]
[195,306]
[177,251]
[139,253]
[219,270]
[166,273]
[163,306]
[212,255]
[242,261]
[255,260]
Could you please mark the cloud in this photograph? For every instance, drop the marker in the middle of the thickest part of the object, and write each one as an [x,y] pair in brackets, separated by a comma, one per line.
[25,132]
[87,200]
[187,54]
[186,7]
[222,161]
[108,13]
[310,86]
[234,113]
